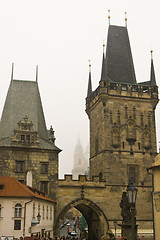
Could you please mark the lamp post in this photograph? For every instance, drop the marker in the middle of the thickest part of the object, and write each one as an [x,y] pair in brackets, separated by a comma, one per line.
[115,227]
[132,195]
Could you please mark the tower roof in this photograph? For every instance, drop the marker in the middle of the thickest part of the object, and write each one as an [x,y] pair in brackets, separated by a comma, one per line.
[119,63]
[23,99]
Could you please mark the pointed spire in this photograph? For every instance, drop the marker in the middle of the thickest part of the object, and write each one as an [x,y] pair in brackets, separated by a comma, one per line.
[109,17]
[125,19]
[152,77]
[12,71]
[89,93]
[103,73]
[37,73]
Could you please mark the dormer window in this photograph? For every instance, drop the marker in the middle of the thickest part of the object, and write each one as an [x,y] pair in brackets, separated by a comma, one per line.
[25,135]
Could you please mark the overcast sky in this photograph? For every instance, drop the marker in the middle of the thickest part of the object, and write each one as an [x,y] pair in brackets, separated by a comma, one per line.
[60,37]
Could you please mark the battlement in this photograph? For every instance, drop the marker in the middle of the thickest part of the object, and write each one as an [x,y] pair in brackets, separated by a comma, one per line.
[82,180]
[122,90]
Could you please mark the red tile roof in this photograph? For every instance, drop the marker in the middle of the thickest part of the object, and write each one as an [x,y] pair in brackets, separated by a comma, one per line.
[11,187]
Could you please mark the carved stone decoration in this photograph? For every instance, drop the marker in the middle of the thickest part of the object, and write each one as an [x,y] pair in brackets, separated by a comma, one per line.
[25,135]
[131,131]
[115,136]
[146,138]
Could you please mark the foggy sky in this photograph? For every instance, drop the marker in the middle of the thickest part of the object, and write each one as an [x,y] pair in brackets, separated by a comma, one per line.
[60,37]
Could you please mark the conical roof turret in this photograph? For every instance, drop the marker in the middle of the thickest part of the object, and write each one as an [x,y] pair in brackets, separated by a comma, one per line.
[89,92]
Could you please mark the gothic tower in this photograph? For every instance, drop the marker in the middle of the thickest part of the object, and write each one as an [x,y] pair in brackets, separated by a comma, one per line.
[122,123]
[122,116]
[27,149]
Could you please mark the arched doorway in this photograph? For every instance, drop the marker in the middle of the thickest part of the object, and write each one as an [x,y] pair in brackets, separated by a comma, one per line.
[95,217]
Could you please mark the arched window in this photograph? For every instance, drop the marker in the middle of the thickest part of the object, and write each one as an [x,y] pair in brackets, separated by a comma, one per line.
[18,210]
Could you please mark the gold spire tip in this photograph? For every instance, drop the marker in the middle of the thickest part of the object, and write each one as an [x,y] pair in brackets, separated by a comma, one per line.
[109,16]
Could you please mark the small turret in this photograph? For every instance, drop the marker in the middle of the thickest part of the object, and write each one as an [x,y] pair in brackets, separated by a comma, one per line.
[89,93]
[152,77]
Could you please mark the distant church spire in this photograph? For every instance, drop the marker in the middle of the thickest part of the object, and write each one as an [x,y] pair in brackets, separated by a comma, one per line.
[89,93]
[152,77]
[12,71]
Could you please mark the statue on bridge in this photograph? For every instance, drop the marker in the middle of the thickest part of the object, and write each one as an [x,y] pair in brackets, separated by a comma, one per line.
[125,212]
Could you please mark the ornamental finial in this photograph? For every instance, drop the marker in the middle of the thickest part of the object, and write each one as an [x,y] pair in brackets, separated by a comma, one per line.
[125,19]
[109,17]
[151,54]
[89,65]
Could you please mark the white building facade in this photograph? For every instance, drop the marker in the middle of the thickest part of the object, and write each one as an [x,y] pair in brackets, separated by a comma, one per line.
[22,215]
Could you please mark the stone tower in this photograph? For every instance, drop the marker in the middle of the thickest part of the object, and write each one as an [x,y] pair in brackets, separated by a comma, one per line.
[122,125]
[27,149]
[122,116]
[80,161]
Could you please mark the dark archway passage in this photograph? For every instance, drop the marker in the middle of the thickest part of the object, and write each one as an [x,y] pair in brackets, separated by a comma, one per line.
[96,219]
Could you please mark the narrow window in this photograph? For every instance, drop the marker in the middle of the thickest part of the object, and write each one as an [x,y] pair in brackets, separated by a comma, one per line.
[132,175]
[34,210]
[22,137]
[51,212]
[123,145]
[43,211]
[44,186]
[17,224]
[44,168]
[96,146]
[39,208]
[19,166]
[47,213]
[139,146]
[28,138]
[18,211]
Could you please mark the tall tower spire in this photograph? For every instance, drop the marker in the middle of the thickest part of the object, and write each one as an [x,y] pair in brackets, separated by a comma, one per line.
[89,93]
[152,76]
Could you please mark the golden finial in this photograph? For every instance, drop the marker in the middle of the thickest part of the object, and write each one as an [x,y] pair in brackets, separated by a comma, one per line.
[126,19]
[151,54]
[103,46]
[109,17]
[89,65]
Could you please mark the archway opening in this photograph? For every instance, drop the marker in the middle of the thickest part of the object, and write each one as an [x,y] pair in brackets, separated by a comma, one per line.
[96,222]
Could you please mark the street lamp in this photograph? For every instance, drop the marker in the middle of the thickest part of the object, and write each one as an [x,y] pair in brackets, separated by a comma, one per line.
[132,195]
[115,227]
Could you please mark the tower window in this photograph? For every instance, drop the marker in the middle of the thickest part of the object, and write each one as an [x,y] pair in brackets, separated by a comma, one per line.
[139,146]
[28,138]
[20,166]
[132,174]
[44,186]
[123,145]
[44,168]
[96,146]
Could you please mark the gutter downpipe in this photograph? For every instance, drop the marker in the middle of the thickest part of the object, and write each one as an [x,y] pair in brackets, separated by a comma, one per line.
[25,216]
[152,203]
